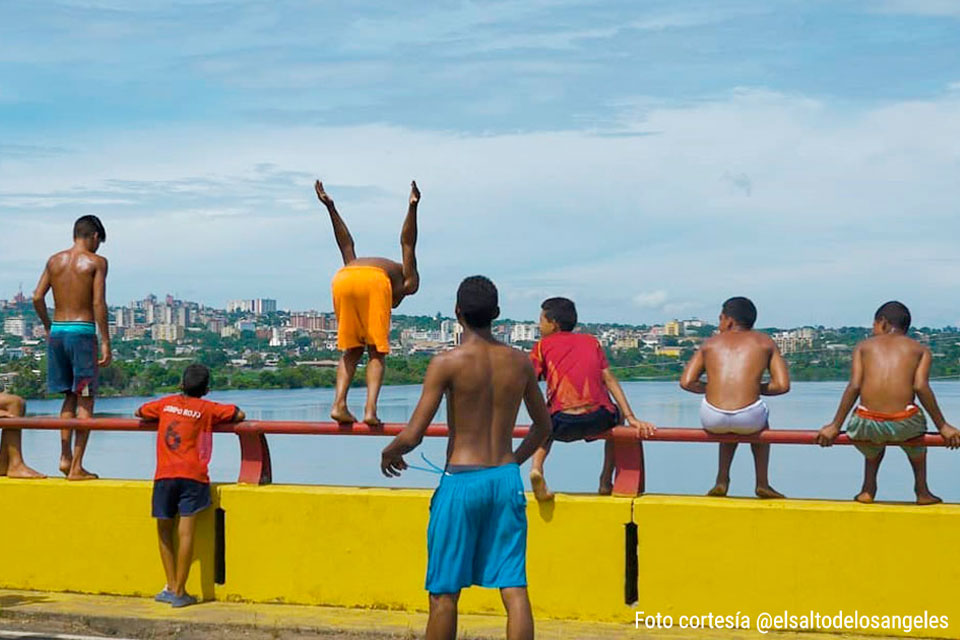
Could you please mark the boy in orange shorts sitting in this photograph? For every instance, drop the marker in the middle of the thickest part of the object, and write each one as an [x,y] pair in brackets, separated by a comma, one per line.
[579,386]
[365,291]
[182,484]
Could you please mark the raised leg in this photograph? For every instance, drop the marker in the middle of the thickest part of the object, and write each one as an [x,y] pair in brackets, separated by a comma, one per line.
[68,410]
[727,450]
[345,372]
[375,369]
[761,463]
[871,465]
[442,623]
[606,473]
[519,615]
[408,244]
[918,461]
[187,526]
[77,472]
[165,527]
[537,482]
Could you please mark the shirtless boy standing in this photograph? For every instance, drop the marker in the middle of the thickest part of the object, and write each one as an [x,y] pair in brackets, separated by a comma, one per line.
[364,292]
[78,277]
[11,456]
[735,360]
[889,372]
[478,524]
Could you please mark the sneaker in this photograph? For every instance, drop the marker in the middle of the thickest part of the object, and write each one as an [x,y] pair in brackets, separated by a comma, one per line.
[182,601]
[165,596]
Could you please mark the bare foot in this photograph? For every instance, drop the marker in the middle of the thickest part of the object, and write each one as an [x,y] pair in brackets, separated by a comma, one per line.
[372,420]
[81,474]
[926,497]
[864,497]
[65,464]
[606,488]
[719,490]
[540,490]
[768,493]
[342,415]
[23,471]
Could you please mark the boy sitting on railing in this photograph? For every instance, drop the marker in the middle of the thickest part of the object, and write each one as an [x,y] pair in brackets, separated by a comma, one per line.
[889,371]
[11,457]
[735,360]
[579,386]
[181,483]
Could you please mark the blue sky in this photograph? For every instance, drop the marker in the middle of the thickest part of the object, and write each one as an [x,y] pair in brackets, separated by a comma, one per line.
[647,159]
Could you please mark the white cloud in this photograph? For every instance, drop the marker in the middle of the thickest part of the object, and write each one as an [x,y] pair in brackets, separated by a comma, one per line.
[651,300]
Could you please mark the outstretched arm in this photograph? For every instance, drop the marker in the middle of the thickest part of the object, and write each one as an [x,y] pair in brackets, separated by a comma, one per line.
[779,376]
[829,432]
[340,231]
[613,386]
[921,386]
[40,297]
[408,244]
[690,380]
[537,408]
[434,386]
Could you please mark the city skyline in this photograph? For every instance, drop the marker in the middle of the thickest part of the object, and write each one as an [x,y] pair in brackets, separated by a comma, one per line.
[647,161]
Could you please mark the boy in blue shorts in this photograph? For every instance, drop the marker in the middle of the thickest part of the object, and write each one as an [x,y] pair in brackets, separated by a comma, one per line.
[478,524]
[182,484]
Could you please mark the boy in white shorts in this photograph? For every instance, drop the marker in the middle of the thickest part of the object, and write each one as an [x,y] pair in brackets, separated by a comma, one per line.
[735,360]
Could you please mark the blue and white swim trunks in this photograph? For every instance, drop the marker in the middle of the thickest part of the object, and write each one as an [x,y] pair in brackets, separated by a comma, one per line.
[478,530]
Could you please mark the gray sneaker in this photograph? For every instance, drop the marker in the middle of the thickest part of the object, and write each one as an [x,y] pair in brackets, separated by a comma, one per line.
[182,601]
[165,596]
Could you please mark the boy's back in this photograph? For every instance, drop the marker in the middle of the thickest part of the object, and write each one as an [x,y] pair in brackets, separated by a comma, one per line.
[889,368]
[735,362]
[485,382]
[72,276]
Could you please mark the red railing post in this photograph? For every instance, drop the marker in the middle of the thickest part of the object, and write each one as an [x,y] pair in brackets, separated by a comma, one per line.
[254,458]
[630,479]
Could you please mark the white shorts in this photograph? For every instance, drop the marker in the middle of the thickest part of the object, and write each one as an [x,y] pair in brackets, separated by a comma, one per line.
[749,419]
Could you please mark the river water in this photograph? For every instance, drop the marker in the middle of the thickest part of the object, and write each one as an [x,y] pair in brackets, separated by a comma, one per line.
[677,468]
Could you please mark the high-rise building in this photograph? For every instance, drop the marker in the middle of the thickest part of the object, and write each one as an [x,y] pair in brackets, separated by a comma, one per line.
[671,328]
[183,316]
[167,332]
[525,333]
[17,326]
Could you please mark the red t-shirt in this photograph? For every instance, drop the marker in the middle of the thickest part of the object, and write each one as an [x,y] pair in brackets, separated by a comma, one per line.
[185,434]
[572,364]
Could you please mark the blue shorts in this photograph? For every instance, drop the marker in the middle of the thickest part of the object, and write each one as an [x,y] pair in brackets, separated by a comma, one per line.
[72,358]
[172,496]
[568,427]
[478,531]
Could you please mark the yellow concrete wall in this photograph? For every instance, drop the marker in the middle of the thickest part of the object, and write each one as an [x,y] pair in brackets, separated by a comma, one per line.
[702,555]
[89,537]
[367,547]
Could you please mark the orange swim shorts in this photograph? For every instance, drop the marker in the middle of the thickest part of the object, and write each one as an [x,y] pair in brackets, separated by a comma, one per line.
[362,300]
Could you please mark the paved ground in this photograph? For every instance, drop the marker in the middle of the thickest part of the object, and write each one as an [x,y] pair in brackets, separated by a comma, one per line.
[29,615]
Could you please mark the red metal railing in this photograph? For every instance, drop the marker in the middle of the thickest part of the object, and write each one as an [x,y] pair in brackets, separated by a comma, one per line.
[255,464]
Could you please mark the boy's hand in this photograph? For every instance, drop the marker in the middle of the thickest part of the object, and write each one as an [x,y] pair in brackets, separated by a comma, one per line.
[106,356]
[322,195]
[645,429]
[827,434]
[951,434]
[414,193]
[392,465]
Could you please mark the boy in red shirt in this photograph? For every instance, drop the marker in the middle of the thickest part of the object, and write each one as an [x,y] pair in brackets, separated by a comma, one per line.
[181,484]
[579,386]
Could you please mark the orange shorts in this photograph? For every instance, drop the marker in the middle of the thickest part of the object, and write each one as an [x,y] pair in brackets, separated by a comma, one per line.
[363,300]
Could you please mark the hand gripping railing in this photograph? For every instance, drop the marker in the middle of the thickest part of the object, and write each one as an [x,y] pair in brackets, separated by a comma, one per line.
[255,465]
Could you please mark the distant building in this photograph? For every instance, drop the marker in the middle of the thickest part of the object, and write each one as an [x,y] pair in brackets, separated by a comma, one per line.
[18,326]
[183,316]
[258,306]
[671,328]
[626,342]
[167,332]
[794,341]
[525,333]
[670,352]
[313,321]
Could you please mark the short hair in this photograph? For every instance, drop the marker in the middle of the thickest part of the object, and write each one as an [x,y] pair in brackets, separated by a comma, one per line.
[895,313]
[562,311]
[478,302]
[741,310]
[196,380]
[86,226]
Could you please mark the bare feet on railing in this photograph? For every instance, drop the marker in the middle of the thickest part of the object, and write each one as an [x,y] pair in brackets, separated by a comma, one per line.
[925,497]
[605,489]
[65,463]
[342,415]
[372,420]
[719,490]
[19,470]
[79,473]
[540,490]
[864,497]
[768,493]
